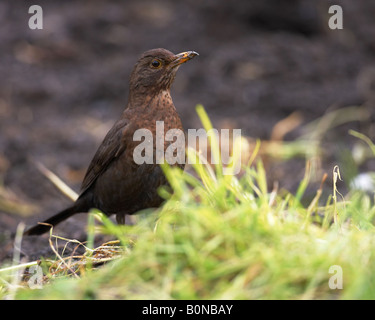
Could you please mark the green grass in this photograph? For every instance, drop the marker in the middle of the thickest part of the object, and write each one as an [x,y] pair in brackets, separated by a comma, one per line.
[231,237]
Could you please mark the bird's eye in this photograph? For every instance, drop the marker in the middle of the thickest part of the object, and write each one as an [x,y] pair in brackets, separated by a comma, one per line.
[156,63]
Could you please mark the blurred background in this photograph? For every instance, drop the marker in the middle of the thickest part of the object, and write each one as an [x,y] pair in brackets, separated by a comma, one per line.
[271,68]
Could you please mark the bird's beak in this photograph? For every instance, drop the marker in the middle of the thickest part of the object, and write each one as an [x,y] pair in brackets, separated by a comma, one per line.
[183,57]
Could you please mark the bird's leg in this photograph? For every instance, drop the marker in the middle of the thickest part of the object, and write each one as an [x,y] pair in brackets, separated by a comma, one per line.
[120,218]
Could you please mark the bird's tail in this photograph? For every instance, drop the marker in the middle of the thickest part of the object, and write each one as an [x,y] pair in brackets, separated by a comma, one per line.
[54,220]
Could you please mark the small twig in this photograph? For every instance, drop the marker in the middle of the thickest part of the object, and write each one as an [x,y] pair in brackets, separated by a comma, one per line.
[273,194]
[19,266]
[58,255]
[336,176]
[16,261]
[61,185]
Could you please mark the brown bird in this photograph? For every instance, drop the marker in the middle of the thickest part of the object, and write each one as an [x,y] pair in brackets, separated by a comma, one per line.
[114,183]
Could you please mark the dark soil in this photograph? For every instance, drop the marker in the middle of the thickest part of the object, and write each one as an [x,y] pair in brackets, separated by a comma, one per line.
[61,88]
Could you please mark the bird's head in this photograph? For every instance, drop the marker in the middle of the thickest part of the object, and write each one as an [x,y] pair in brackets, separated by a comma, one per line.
[155,71]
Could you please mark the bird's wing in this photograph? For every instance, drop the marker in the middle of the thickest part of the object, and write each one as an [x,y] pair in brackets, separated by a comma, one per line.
[111,147]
